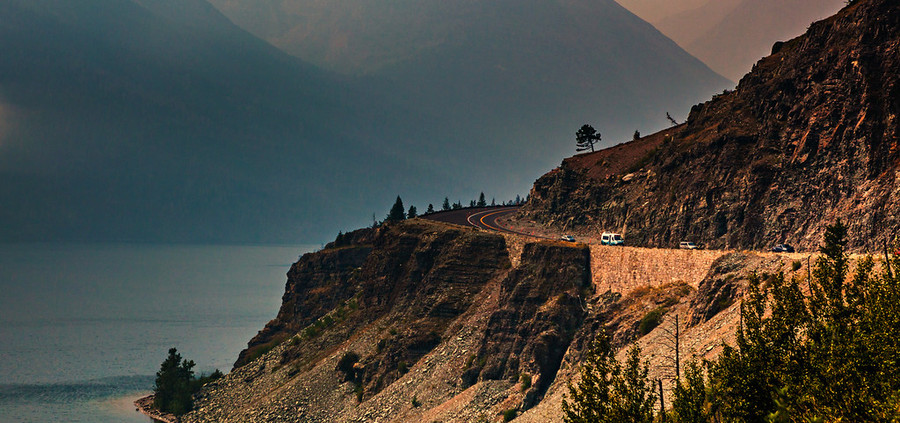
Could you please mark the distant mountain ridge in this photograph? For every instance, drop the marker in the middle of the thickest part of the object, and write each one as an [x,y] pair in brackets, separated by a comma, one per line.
[523,71]
[731,35]
[137,120]
[163,121]
[809,136]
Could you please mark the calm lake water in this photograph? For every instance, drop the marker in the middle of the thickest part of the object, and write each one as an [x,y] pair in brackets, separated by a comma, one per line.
[84,327]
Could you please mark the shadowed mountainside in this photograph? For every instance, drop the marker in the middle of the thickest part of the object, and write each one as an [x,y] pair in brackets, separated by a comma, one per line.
[513,79]
[162,121]
[809,136]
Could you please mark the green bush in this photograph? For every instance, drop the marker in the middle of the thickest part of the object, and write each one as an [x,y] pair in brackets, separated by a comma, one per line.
[526,381]
[346,366]
[795,265]
[510,414]
[470,361]
[651,320]
[310,332]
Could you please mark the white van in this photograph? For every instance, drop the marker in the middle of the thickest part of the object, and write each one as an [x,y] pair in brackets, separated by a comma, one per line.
[687,245]
[609,238]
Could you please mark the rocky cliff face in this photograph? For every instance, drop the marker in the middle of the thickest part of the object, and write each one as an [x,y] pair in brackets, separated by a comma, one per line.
[809,136]
[424,321]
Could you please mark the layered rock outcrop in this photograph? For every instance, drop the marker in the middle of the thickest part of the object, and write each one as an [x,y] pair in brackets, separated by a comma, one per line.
[434,322]
[810,135]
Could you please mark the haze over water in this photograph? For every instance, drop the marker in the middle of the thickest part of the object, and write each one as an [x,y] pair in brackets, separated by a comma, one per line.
[84,327]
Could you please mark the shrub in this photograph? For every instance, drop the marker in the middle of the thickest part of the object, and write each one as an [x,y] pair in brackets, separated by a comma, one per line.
[795,266]
[310,332]
[510,414]
[415,402]
[328,321]
[526,381]
[470,361]
[651,320]
[346,365]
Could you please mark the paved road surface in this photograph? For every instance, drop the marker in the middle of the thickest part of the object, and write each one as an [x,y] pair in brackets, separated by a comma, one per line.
[481,217]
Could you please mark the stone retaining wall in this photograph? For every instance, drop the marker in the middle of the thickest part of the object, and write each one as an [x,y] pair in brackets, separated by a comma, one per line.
[621,269]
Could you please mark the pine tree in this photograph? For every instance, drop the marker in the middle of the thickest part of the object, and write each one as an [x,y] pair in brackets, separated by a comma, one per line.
[689,403]
[430,209]
[446,205]
[172,392]
[586,137]
[412,213]
[481,201]
[397,212]
[609,392]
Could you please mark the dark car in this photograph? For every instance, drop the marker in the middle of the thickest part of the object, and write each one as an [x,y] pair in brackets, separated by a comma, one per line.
[783,248]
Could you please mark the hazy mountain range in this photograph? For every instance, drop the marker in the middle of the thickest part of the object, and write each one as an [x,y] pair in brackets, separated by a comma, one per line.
[731,35]
[162,120]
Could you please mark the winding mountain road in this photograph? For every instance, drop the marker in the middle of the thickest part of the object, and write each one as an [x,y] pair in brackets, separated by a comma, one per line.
[482,217]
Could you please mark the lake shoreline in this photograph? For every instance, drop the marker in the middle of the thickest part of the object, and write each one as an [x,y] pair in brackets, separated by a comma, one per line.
[145,406]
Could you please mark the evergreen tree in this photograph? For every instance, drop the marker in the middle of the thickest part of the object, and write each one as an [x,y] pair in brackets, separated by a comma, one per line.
[457,205]
[412,213]
[446,205]
[481,201]
[689,403]
[397,212]
[637,134]
[831,356]
[586,137]
[472,203]
[493,202]
[609,392]
[172,393]
[430,209]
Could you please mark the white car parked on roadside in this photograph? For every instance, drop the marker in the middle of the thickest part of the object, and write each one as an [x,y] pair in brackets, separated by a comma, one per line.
[609,238]
[687,245]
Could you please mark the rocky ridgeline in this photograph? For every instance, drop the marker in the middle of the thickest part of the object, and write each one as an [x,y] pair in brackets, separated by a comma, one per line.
[446,328]
[809,136]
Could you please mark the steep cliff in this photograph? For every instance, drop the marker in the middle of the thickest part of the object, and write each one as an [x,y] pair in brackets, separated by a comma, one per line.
[426,321]
[809,136]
